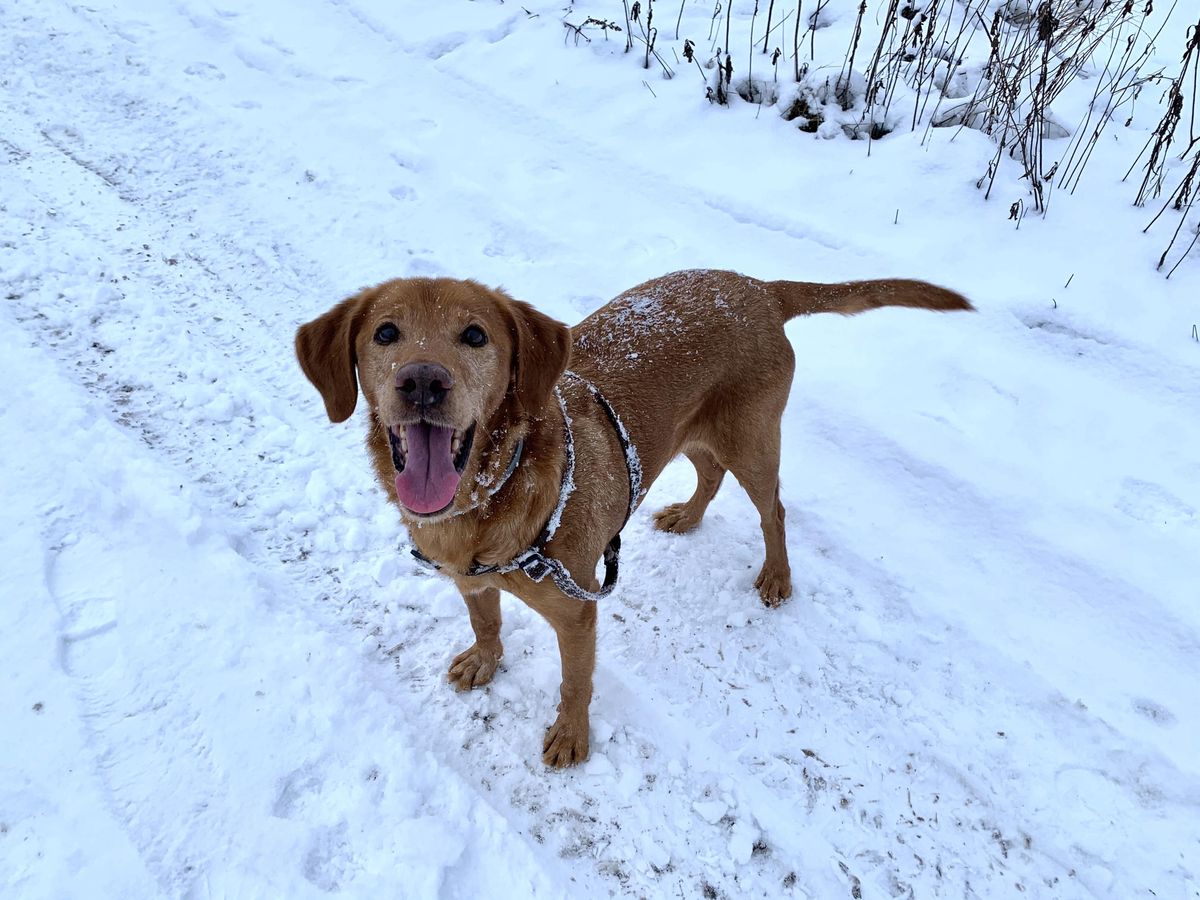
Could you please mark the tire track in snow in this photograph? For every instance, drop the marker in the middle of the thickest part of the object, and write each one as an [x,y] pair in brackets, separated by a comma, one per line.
[124,708]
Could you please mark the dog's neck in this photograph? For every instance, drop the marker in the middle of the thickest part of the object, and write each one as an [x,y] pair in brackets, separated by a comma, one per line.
[504,523]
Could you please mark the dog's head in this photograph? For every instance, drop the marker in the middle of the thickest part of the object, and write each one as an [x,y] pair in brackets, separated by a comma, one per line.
[444,366]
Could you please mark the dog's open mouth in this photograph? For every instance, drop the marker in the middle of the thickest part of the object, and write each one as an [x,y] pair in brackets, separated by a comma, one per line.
[429,461]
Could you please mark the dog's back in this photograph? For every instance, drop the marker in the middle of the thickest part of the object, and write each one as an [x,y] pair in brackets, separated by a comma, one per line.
[704,348]
[698,362]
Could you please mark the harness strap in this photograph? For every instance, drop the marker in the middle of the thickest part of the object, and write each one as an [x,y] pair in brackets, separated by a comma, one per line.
[533,561]
[633,463]
[512,467]
[495,488]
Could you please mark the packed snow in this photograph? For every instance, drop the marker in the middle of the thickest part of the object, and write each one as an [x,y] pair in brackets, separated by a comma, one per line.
[223,675]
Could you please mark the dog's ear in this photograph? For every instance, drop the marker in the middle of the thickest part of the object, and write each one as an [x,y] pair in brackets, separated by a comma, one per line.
[325,348]
[540,356]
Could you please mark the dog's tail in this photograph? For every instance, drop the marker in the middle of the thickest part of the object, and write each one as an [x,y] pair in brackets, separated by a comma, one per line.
[804,298]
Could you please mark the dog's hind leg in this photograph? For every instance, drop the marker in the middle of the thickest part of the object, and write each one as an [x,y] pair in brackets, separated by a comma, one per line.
[681,517]
[754,462]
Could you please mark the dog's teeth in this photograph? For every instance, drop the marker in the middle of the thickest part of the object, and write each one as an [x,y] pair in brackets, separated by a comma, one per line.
[455,443]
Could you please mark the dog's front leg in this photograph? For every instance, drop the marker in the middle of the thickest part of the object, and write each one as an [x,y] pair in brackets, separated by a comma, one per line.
[574,623]
[566,741]
[475,666]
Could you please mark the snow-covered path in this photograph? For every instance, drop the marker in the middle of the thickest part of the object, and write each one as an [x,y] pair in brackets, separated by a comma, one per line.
[223,678]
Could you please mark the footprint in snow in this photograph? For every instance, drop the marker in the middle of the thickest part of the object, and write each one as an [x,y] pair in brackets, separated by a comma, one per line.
[1152,503]
[88,643]
[329,860]
[1155,712]
[298,789]
[205,71]
[421,267]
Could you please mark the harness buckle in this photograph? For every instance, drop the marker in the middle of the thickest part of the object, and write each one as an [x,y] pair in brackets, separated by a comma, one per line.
[533,564]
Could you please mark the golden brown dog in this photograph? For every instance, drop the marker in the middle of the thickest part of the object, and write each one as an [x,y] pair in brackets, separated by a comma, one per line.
[471,418]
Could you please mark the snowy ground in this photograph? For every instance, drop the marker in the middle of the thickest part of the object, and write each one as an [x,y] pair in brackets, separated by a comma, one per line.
[222,677]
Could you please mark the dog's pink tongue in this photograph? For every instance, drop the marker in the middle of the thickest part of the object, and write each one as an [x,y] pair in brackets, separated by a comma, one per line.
[429,479]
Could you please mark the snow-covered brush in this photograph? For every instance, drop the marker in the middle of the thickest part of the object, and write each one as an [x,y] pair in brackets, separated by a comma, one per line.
[1118,85]
[998,67]
[1183,198]
[1034,55]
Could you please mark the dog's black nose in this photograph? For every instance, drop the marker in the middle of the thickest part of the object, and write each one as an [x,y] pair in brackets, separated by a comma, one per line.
[424,384]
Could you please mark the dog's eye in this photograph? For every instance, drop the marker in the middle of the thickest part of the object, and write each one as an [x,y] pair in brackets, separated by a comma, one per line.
[473,336]
[387,333]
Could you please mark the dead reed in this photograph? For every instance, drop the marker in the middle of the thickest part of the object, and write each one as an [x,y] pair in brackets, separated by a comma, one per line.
[995,66]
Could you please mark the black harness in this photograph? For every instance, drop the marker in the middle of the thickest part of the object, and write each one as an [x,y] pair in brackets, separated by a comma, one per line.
[534,562]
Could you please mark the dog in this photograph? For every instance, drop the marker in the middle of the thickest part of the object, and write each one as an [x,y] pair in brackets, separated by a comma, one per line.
[516,447]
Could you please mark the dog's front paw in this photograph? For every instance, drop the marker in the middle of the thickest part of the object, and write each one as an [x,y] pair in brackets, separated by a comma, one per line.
[774,585]
[475,666]
[566,742]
